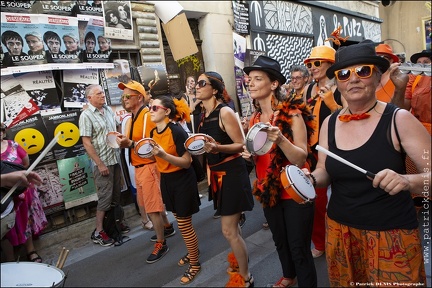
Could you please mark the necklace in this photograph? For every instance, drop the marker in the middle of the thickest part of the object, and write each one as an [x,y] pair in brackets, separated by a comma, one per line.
[365,115]
[258,117]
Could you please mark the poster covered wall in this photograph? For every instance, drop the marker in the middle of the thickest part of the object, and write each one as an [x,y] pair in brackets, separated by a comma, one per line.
[118,19]
[74,84]
[96,47]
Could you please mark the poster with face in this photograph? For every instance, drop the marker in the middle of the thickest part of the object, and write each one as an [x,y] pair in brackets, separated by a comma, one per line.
[14,6]
[50,191]
[89,7]
[118,19]
[69,143]
[60,36]
[41,88]
[155,76]
[96,47]
[58,7]
[77,181]
[22,43]
[110,79]
[74,84]
[32,135]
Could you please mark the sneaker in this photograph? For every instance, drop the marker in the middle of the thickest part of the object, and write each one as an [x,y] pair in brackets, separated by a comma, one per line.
[124,228]
[103,239]
[242,220]
[216,215]
[168,232]
[159,251]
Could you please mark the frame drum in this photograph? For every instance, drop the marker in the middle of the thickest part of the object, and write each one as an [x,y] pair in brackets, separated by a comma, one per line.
[144,146]
[195,143]
[30,274]
[111,139]
[297,184]
[256,140]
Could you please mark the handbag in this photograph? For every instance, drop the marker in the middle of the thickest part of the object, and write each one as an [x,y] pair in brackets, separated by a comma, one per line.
[8,167]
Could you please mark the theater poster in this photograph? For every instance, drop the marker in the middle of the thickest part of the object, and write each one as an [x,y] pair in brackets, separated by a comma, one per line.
[31,134]
[69,143]
[16,6]
[58,7]
[18,56]
[118,19]
[96,47]
[50,191]
[41,88]
[155,76]
[110,78]
[56,30]
[16,102]
[89,7]
[77,181]
[74,84]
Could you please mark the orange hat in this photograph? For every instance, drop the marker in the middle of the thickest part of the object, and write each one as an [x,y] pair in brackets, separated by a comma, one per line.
[322,53]
[134,85]
[384,49]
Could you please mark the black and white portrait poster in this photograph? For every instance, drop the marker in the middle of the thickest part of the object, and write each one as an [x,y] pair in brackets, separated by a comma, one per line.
[118,19]
[58,7]
[16,102]
[22,43]
[155,76]
[60,34]
[69,143]
[41,88]
[96,47]
[110,79]
[74,84]
[87,7]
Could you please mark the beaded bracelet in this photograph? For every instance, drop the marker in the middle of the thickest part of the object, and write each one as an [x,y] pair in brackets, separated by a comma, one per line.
[314,181]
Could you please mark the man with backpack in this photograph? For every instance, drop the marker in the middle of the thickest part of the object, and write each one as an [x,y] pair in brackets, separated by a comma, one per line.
[147,177]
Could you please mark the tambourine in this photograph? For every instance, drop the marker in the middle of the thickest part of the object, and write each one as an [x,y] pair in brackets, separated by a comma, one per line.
[297,184]
[111,139]
[256,139]
[415,68]
[144,147]
[195,143]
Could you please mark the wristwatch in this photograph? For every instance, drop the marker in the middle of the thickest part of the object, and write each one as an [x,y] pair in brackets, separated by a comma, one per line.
[132,145]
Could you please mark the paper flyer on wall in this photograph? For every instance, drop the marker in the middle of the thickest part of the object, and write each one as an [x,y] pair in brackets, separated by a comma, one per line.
[74,84]
[76,178]
[96,47]
[58,7]
[110,78]
[31,134]
[89,7]
[50,191]
[16,6]
[155,76]
[41,87]
[118,19]
[18,31]
[16,101]
[69,143]
[55,29]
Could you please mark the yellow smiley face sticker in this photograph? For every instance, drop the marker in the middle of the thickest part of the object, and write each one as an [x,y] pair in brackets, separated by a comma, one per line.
[31,140]
[69,134]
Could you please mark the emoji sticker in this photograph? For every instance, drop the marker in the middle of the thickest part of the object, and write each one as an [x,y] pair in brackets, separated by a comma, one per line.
[31,140]
[69,134]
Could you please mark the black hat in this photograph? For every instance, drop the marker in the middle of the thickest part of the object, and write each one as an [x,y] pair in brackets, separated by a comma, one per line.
[416,56]
[268,65]
[361,53]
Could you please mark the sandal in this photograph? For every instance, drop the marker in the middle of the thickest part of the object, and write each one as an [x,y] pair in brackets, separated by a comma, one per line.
[190,273]
[291,282]
[185,259]
[236,280]
[147,225]
[36,259]
[265,226]
[316,253]
[250,282]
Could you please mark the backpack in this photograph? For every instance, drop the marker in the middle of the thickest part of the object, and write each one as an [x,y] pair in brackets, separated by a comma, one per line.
[111,224]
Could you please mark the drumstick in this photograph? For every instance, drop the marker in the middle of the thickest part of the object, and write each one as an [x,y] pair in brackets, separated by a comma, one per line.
[340,159]
[145,124]
[193,124]
[27,172]
[60,257]
[241,126]
[64,259]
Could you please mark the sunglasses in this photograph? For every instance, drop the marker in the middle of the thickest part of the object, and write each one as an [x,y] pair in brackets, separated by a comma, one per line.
[128,96]
[363,72]
[316,63]
[202,83]
[155,108]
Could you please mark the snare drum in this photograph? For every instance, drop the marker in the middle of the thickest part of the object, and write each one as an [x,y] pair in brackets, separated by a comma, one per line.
[30,274]
[297,184]
[112,139]
[195,143]
[144,147]
[256,140]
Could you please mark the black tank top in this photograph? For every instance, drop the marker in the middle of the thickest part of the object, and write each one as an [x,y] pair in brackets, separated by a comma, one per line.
[324,110]
[354,201]
[210,126]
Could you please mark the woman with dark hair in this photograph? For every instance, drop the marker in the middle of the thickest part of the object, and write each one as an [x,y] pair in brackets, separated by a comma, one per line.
[230,186]
[178,181]
[290,222]
[112,19]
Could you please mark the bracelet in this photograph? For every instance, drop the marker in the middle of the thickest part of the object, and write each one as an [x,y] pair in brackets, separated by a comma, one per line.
[132,144]
[314,181]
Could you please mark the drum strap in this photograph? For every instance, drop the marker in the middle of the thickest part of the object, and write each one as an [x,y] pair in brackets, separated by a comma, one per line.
[229,158]
[131,130]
